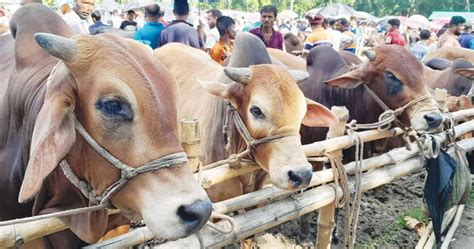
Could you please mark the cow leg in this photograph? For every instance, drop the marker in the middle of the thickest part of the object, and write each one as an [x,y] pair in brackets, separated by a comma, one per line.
[325,226]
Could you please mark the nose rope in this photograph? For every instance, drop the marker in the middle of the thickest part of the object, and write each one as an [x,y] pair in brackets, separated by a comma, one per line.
[217,228]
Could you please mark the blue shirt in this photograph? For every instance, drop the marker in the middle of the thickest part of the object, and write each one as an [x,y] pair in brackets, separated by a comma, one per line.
[150,34]
[466,40]
[94,28]
[419,50]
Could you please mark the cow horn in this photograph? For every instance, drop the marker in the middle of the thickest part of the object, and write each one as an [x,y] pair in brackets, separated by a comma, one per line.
[298,75]
[57,46]
[238,74]
[370,54]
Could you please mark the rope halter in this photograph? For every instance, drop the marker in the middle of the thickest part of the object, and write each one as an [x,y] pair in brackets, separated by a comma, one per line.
[251,142]
[126,172]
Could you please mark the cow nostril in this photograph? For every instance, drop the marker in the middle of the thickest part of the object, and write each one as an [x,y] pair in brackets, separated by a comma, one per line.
[195,215]
[433,120]
[295,178]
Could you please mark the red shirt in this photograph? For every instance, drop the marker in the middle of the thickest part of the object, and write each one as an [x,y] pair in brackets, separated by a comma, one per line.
[276,41]
[395,38]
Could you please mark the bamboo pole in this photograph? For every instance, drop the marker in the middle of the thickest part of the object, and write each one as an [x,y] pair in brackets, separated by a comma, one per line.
[448,217]
[134,237]
[263,218]
[424,237]
[452,229]
[327,213]
[260,219]
[17,235]
[189,138]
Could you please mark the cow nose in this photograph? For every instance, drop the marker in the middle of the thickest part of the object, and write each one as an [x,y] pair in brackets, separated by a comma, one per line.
[300,179]
[433,120]
[195,215]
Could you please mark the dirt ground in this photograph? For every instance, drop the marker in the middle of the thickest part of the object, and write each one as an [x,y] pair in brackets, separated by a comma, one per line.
[380,223]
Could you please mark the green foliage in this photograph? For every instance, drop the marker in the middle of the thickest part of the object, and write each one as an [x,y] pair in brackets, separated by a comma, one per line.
[375,7]
[416,213]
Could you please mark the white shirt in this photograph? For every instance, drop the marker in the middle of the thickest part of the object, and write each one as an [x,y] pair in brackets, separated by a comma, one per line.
[336,37]
[78,25]
[212,38]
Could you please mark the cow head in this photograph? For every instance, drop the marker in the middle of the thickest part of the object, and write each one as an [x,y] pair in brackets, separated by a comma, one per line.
[396,77]
[456,77]
[127,102]
[270,103]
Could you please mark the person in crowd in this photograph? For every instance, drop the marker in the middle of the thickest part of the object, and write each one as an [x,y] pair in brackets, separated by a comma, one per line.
[292,44]
[96,18]
[4,20]
[420,49]
[64,9]
[348,41]
[129,24]
[78,19]
[180,30]
[223,48]
[455,26]
[318,36]
[466,39]
[162,20]
[334,34]
[151,31]
[393,35]
[213,35]
[270,37]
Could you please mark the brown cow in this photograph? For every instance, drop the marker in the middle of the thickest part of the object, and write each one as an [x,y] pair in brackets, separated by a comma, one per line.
[266,97]
[124,98]
[451,53]
[456,77]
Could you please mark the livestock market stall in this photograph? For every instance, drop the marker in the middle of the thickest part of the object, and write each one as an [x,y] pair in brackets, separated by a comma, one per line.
[277,206]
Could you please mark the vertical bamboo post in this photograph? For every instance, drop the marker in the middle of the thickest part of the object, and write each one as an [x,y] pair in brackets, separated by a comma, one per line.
[441,96]
[190,141]
[326,213]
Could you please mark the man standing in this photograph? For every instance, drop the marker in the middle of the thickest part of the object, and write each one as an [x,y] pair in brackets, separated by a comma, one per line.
[180,30]
[393,35]
[270,37]
[448,39]
[78,18]
[96,18]
[348,40]
[150,33]
[466,40]
[213,35]
[420,49]
[318,36]
[223,48]
[129,24]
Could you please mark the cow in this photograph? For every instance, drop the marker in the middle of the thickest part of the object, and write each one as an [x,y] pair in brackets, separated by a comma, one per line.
[267,99]
[451,53]
[90,103]
[456,77]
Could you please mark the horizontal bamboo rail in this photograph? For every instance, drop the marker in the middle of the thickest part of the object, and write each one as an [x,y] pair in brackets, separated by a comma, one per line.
[224,172]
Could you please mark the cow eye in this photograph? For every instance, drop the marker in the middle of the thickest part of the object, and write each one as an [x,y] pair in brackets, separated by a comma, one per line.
[114,108]
[393,85]
[256,112]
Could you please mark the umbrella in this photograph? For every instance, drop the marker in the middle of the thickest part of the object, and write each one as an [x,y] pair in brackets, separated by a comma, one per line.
[366,16]
[313,12]
[420,20]
[109,5]
[288,14]
[337,10]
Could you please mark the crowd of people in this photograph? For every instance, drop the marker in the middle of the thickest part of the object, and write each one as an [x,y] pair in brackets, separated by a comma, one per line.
[295,36]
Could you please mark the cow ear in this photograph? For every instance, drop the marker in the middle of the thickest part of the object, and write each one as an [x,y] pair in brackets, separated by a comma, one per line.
[216,88]
[53,134]
[318,115]
[466,72]
[350,79]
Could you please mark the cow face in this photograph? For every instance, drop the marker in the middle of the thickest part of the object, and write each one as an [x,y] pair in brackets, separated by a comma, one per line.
[127,101]
[456,77]
[270,103]
[396,77]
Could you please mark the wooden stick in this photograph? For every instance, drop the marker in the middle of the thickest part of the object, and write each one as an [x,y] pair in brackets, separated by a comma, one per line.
[189,138]
[424,237]
[454,226]
[441,96]
[134,237]
[260,219]
[326,213]
[17,235]
[448,217]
